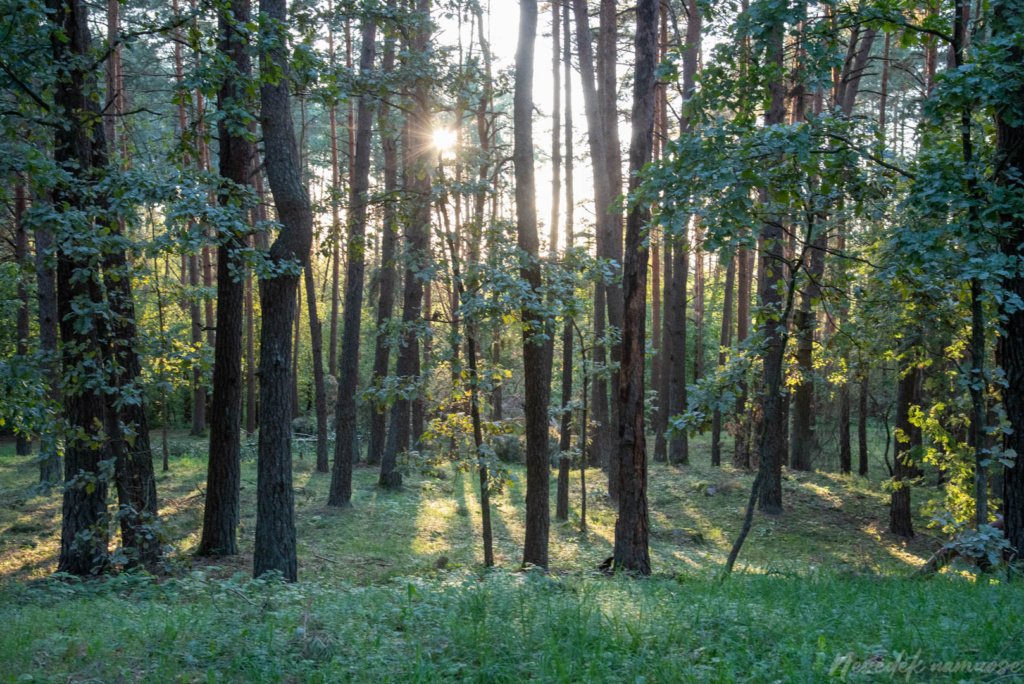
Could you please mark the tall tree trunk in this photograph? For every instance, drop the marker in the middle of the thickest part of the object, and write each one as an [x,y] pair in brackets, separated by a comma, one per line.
[417,231]
[536,351]
[1010,151]
[631,527]
[83,545]
[388,272]
[345,452]
[774,326]
[724,342]
[275,508]
[565,433]
[221,513]
[675,301]
[259,241]
[607,61]
[678,443]
[335,234]
[601,441]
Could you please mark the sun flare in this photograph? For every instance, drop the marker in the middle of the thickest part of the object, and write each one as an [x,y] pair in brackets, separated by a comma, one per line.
[444,140]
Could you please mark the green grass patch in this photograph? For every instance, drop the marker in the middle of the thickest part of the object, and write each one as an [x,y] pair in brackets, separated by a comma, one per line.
[503,627]
[393,590]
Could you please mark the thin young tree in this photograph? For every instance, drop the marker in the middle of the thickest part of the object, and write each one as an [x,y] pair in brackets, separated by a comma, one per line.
[345,452]
[600,442]
[388,278]
[417,158]
[565,431]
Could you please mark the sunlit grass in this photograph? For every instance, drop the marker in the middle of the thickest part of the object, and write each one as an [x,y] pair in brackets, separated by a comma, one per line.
[433,523]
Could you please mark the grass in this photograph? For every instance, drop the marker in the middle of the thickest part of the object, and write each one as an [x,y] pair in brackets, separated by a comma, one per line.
[392,589]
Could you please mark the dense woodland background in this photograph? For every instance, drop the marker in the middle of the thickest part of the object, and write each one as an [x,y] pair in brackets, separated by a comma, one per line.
[420,249]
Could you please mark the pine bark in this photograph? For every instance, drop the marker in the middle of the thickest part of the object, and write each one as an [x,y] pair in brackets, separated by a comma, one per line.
[221,513]
[83,545]
[275,510]
[1010,151]
[536,351]
[631,527]
[774,326]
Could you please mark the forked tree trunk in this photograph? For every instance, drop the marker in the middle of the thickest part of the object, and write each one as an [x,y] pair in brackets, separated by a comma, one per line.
[275,508]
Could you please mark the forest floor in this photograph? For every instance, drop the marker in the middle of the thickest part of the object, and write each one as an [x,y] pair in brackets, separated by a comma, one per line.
[392,589]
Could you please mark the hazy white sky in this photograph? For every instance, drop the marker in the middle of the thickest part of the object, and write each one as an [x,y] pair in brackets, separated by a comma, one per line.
[502,23]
